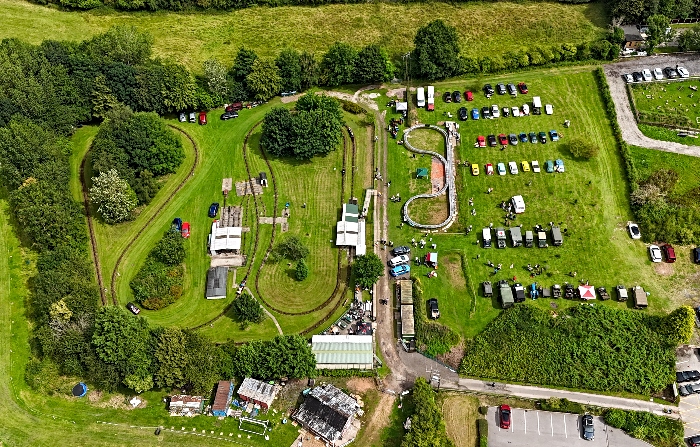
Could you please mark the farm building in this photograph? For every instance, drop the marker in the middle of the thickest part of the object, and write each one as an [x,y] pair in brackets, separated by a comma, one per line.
[350,229]
[185,405]
[258,392]
[222,399]
[408,328]
[422,173]
[404,291]
[224,239]
[330,414]
[343,351]
[217,279]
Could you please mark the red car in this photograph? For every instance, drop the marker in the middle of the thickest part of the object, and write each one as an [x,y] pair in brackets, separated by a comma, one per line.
[481,141]
[202,118]
[503,140]
[469,95]
[186,230]
[669,252]
[522,87]
[504,413]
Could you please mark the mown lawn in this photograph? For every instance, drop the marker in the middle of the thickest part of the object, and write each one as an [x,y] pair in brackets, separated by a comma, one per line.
[461,412]
[192,38]
[672,102]
[648,161]
[666,134]
[590,200]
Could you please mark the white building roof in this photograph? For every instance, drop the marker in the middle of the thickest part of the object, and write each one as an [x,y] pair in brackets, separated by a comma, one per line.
[343,351]
[225,238]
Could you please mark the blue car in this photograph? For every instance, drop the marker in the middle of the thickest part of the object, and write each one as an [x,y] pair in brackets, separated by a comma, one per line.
[214,209]
[559,165]
[400,270]
[475,113]
[177,224]
[554,135]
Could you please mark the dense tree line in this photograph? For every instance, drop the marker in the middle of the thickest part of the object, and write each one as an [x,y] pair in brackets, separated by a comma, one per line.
[639,12]
[427,422]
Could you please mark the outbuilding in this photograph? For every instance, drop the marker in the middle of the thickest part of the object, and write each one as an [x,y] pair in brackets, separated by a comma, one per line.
[330,414]
[185,405]
[343,351]
[222,398]
[258,392]
[217,279]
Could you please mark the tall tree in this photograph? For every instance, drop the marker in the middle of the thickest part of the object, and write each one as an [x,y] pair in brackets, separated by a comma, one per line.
[247,309]
[289,64]
[277,136]
[215,75]
[264,80]
[309,70]
[338,64]
[121,43]
[112,196]
[436,52]
[373,65]
[243,64]
[170,357]
[367,270]
[658,24]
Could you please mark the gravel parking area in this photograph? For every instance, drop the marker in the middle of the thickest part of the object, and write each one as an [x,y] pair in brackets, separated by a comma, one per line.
[625,117]
[532,428]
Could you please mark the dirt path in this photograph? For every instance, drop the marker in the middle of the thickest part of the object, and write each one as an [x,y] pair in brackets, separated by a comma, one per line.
[380,419]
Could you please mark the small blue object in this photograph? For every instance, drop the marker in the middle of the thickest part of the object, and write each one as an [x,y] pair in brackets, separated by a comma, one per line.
[286,205]
[80,390]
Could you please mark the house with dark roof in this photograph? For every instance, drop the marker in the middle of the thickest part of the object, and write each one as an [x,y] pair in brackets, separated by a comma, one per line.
[222,399]
[633,37]
[217,278]
[330,414]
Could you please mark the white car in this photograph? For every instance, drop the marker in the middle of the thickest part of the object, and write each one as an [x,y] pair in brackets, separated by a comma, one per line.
[682,72]
[495,112]
[535,166]
[646,75]
[182,118]
[655,253]
[633,228]
[399,260]
[526,110]
[513,167]
[628,78]
[658,74]
[548,109]
[501,168]
[515,111]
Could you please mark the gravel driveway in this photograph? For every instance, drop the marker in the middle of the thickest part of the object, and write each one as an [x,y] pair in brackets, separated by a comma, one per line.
[630,132]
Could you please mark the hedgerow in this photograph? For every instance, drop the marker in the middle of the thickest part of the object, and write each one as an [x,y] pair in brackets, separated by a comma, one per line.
[658,430]
[589,347]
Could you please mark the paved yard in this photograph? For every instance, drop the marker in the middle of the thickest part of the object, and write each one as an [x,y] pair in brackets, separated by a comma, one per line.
[687,359]
[532,428]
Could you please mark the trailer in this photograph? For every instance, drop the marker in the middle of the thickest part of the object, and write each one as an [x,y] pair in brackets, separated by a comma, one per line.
[488,289]
[420,97]
[528,239]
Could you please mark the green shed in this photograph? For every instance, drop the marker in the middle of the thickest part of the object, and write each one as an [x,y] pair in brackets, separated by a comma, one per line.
[422,173]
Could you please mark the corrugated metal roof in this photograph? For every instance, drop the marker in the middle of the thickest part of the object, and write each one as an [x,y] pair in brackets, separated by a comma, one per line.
[342,349]
[405,291]
[407,323]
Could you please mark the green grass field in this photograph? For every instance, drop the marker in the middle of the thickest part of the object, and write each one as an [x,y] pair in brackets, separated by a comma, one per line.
[665,134]
[191,38]
[668,102]
[647,161]
[590,199]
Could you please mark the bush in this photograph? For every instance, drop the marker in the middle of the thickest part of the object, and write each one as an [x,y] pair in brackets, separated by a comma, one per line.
[344,373]
[352,107]
[483,410]
[658,430]
[301,272]
[291,248]
[247,309]
[581,148]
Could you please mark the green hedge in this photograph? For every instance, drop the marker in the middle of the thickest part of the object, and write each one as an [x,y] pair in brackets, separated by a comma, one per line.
[566,406]
[657,430]
[352,107]
[482,426]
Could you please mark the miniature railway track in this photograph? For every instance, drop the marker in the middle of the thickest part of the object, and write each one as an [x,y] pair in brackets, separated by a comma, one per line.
[93,239]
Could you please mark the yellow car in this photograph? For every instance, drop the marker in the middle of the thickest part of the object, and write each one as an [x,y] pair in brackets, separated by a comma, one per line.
[526,166]
[475,169]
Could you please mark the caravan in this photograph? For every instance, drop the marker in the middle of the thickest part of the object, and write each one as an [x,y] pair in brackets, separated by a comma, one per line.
[518,204]
[486,236]
[431,98]
[536,105]
[420,97]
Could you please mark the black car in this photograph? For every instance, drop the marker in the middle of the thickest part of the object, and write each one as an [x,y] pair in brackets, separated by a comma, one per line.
[501,89]
[694,441]
[543,137]
[637,76]
[463,113]
[511,90]
[587,427]
[523,137]
[401,250]
[670,72]
[683,391]
[433,311]
[488,90]
[447,97]
[229,115]
[456,96]
[505,112]
[696,255]
[486,113]
[681,377]
[533,137]
[132,307]
[213,209]
[492,140]
[693,375]
[513,139]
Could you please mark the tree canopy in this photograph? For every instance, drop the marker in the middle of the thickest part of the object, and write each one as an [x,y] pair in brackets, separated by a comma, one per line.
[113,197]
[436,52]
[264,80]
[367,270]
[247,309]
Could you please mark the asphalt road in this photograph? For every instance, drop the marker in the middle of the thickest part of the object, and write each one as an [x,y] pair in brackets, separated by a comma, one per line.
[532,428]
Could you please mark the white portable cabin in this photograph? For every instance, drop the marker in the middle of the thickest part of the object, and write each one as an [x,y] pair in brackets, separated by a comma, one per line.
[431,98]
[420,96]
[537,102]
[519,204]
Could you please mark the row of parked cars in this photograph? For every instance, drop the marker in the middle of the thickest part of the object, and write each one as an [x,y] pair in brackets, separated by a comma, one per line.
[688,376]
[513,139]
[456,96]
[549,166]
[656,253]
[657,74]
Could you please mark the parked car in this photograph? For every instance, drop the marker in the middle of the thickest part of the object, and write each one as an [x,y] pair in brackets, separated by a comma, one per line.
[502,139]
[543,137]
[515,111]
[475,169]
[525,110]
[670,72]
[504,416]
[523,88]
[214,209]
[463,113]
[501,169]
[193,117]
[525,165]
[186,230]
[533,137]
[548,109]
[489,169]
[658,74]
[434,310]
[637,76]
[481,141]
[228,115]
[535,166]
[133,308]
[683,391]
[203,118]
[655,253]
[587,427]
[669,253]
[554,135]
[513,139]
[495,112]
[456,96]
[628,78]
[559,165]
[177,224]
[486,112]
[492,140]
[475,113]
[549,166]
[182,117]
[506,112]
[682,72]
[468,95]
[399,260]
[694,441]
[633,228]
[646,75]
[696,255]
[488,90]
[234,107]
[501,89]
[522,137]
[513,167]
[400,270]
[401,250]
[447,97]
[511,90]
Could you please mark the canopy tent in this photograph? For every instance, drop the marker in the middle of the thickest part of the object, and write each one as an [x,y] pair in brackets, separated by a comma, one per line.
[80,390]
[422,173]
[431,259]
[587,292]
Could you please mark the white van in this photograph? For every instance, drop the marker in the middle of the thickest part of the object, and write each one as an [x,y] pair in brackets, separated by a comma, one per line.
[537,102]
[403,259]
[431,98]
[420,96]
[486,235]
[518,204]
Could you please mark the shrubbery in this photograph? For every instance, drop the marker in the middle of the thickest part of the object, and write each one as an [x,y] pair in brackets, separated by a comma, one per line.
[159,282]
[658,430]
[482,426]
[427,423]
